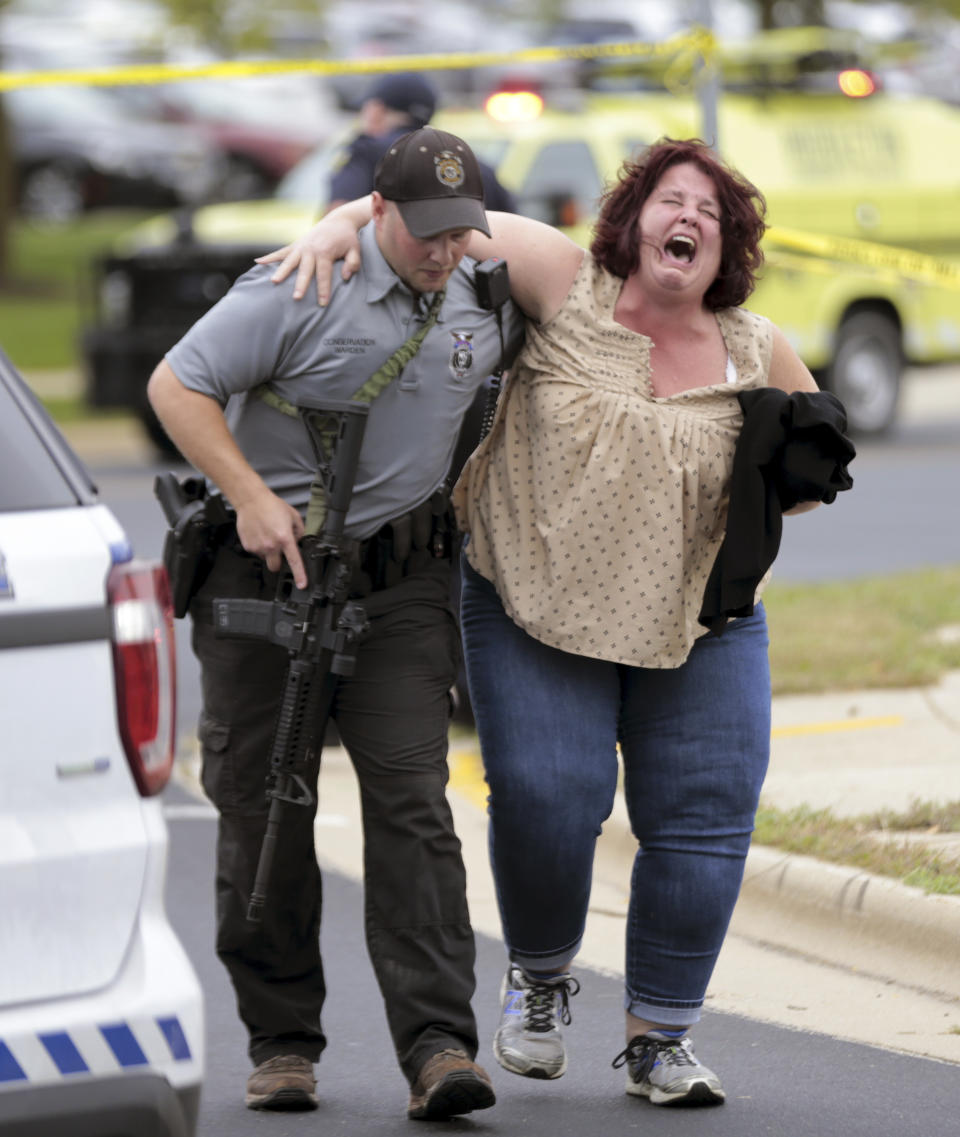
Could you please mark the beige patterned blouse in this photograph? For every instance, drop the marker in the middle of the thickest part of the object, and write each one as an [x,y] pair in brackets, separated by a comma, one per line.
[595,507]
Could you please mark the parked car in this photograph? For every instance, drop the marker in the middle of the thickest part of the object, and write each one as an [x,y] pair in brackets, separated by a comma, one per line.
[395,28]
[75,149]
[263,125]
[101,1014]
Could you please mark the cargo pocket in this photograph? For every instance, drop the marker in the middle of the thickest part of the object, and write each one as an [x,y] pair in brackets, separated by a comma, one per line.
[216,772]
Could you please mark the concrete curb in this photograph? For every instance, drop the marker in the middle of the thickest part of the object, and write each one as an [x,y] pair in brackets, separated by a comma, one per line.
[833,914]
[852,919]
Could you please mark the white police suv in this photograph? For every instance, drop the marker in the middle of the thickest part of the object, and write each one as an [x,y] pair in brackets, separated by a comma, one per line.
[101,1014]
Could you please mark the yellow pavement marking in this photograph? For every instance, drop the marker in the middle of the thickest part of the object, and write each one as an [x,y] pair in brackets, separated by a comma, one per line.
[466,766]
[466,776]
[836,727]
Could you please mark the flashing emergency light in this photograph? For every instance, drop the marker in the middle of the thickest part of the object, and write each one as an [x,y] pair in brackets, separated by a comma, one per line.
[514,106]
[856,84]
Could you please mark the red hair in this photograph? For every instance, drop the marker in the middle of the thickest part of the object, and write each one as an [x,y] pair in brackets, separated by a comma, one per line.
[616,241]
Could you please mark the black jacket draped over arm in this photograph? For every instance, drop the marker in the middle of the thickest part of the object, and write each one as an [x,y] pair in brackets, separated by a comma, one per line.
[791,449]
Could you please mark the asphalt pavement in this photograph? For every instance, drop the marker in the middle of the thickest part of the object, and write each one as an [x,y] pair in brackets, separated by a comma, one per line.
[862,956]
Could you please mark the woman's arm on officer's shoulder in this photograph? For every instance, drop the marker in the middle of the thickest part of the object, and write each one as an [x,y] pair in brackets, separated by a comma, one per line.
[542,261]
[333,238]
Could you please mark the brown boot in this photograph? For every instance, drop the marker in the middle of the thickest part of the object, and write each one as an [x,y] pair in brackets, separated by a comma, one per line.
[449,1084]
[283,1082]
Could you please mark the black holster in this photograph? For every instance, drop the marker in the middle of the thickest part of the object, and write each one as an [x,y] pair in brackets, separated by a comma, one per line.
[197,523]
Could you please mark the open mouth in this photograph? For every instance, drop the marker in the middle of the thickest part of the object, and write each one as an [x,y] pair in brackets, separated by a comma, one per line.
[681,248]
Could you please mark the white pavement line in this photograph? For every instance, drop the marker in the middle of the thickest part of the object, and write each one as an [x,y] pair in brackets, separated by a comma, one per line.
[197,812]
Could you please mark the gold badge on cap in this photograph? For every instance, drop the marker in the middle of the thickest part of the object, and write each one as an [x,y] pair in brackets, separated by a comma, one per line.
[449,169]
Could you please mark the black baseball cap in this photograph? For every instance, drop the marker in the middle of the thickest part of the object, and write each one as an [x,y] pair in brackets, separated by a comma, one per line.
[405,91]
[435,181]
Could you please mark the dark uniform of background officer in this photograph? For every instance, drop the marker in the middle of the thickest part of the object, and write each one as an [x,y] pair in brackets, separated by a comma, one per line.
[392,714]
[392,106]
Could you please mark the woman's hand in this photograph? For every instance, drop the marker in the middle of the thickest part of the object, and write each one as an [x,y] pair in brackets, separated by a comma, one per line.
[314,254]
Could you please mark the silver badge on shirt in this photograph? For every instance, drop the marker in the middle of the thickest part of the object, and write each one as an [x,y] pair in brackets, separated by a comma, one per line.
[461,358]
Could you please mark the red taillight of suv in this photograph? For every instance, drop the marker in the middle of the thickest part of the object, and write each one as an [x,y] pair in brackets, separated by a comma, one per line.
[144,663]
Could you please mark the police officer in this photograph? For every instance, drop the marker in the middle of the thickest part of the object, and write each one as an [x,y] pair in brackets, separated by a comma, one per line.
[393,105]
[392,714]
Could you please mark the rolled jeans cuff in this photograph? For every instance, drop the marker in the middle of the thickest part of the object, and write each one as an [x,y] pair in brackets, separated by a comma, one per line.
[672,1014]
[558,961]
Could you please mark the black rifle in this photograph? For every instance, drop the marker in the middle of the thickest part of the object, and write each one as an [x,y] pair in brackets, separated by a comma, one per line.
[318,625]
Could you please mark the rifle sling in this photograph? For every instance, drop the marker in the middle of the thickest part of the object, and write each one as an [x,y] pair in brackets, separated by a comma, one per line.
[371,389]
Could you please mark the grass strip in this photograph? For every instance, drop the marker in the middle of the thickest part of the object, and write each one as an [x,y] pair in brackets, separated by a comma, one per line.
[883,631]
[48,294]
[888,844]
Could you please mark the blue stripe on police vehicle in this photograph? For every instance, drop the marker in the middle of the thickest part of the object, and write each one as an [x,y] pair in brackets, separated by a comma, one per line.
[39,1057]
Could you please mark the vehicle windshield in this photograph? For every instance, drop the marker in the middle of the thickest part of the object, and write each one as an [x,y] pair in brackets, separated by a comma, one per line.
[29,477]
[307,181]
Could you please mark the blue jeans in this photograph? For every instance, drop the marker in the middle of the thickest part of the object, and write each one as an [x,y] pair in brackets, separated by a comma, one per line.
[695,742]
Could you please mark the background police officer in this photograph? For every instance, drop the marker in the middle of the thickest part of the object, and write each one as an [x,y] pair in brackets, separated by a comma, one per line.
[392,713]
[393,105]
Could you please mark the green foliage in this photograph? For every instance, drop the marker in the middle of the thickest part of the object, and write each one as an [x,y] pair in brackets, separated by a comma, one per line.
[870,842]
[928,816]
[925,9]
[231,27]
[47,294]
[777,13]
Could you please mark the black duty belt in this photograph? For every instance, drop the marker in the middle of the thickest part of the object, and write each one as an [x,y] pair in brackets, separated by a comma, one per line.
[402,546]
[405,545]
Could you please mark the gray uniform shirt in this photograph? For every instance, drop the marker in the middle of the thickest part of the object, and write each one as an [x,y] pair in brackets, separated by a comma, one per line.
[258,333]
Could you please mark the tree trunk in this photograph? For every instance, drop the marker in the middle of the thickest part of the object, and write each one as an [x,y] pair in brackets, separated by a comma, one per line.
[8,194]
[8,189]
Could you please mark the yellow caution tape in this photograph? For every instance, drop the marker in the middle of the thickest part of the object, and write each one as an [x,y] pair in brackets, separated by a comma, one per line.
[907,262]
[692,63]
[687,52]
[697,44]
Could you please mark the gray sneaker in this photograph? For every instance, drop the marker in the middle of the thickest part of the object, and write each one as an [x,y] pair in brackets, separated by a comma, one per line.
[528,1040]
[666,1071]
